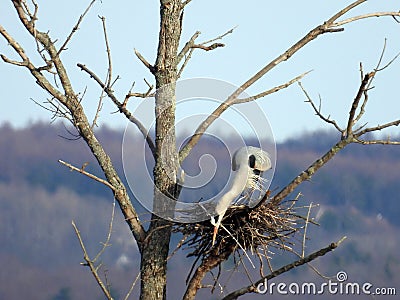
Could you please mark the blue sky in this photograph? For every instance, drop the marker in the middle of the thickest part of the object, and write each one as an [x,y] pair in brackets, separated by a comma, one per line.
[264,30]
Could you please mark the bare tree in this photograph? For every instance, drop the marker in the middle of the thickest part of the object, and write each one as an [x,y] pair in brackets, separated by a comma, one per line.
[154,242]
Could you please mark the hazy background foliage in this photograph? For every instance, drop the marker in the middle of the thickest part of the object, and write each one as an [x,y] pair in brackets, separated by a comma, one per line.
[358,193]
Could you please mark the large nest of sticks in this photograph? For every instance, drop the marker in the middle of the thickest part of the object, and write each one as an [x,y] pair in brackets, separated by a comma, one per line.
[243,228]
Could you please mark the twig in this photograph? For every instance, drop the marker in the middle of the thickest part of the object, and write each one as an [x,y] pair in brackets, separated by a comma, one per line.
[318,110]
[138,95]
[271,91]
[377,128]
[241,247]
[109,72]
[184,3]
[303,245]
[132,286]
[144,61]
[187,58]
[91,265]
[187,46]
[365,16]
[208,48]
[309,172]
[361,90]
[75,28]
[82,171]
[220,37]
[261,282]
[107,242]
[121,108]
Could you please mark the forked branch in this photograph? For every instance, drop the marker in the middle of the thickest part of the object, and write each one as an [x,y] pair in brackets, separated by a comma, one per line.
[91,265]
[121,107]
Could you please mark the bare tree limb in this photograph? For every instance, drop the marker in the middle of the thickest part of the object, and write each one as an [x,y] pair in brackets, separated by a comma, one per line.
[187,50]
[208,48]
[377,128]
[110,228]
[144,61]
[90,175]
[70,100]
[365,16]
[109,72]
[91,265]
[271,91]
[121,107]
[326,27]
[184,3]
[139,95]
[253,287]
[220,37]
[187,46]
[318,110]
[214,259]
[351,121]
[75,28]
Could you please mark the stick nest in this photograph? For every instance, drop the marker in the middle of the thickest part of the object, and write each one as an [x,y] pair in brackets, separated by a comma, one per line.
[244,228]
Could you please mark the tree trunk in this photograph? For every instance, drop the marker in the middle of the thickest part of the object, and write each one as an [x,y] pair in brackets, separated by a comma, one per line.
[156,246]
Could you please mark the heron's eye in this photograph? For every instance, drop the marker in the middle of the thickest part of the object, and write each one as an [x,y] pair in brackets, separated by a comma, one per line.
[256,172]
[252,161]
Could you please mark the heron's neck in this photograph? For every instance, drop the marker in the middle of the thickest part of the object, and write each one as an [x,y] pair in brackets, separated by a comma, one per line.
[236,187]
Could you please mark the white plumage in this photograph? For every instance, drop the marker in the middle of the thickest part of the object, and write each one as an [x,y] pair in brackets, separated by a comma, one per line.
[248,163]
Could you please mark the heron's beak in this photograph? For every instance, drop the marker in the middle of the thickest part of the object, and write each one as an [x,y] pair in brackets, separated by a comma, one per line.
[214,234]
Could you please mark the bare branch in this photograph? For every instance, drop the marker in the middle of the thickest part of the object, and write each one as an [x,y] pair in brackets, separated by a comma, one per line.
[14,62]
[187,46]
[365,94]
[378,142]
[351,121]
[376,128]
[271,91]
[91,265]
[75,28]
[82,171]
[208,48]
[121,108]
[326,27]
[132,286]
[107,242]
[139,95]
[187,58]
[220,37]
[187,50]
[365,16]
[318,110]
[144,61]
[310,171]
[303,245]
[184,3]
[15,45]
[345,10]
[253,288]
[109,72]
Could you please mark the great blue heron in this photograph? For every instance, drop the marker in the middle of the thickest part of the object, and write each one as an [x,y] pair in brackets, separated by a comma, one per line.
[248,163]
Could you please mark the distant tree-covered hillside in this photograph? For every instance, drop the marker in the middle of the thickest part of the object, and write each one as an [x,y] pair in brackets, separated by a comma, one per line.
[358,193]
